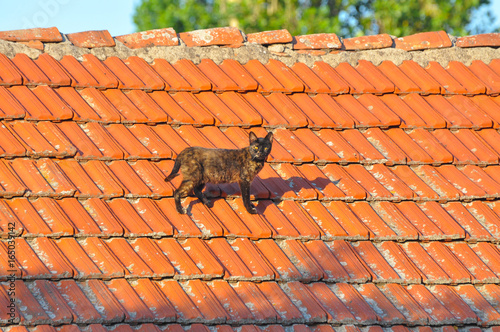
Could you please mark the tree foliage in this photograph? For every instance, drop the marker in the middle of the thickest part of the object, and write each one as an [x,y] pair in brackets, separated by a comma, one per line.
[344,17]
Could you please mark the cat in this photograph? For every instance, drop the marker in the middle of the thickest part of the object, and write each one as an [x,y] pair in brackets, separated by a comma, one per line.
[200,166]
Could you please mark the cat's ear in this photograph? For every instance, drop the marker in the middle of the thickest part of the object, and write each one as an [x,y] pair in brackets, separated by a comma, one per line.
[252,137]
[269,137]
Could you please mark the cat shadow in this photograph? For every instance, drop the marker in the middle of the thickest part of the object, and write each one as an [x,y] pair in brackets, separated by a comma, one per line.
[281,187]
[273,188]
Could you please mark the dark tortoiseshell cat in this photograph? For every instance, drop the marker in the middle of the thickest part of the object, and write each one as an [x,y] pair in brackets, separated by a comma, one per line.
[200,166]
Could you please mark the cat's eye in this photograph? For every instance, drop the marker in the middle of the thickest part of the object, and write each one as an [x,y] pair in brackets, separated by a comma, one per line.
[255,147]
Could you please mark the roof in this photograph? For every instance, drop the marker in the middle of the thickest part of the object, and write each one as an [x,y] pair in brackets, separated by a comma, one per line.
[378,207]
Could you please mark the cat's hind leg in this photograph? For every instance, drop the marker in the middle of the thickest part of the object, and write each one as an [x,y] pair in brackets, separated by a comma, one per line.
[181,192]
[201,196]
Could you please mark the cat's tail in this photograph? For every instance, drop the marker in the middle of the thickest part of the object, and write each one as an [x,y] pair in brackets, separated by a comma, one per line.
[175,170]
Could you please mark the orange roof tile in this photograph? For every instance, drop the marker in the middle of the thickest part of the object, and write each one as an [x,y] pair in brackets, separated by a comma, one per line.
[377,208]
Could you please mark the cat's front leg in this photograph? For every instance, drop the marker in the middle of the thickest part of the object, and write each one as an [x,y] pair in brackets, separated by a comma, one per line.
[245,195]
[198,192]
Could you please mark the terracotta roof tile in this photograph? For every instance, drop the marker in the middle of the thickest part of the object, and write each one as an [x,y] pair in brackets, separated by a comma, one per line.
[342,179]
[420,77]
[330,226]
[358,83]
[367,152]
[83,309]
[84,267]
[358,112]
[289,110]
[386,310]
[331,77]
[11,108]
[441,218]
[53,70]
[446,109]
[207,303]
[355,302]
[270,115]
[402,83]
[471,111]
[335,309]
[285,76]
[486,313]
[256,302]
[461,154]
[454,304]
[154,300]
[96,68]
[219,79]
[474,230]
[426,300]
[151,80]
[32,312]
[182,225]
[476,266]
[300,295]
[462,74]
[239,74]
[371,73]
[10,74]
[237,104]
[447,82]
[312,83]
[155,218]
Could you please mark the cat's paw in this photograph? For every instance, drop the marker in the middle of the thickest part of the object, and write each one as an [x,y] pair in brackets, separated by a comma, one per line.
[207,202]
[252,209]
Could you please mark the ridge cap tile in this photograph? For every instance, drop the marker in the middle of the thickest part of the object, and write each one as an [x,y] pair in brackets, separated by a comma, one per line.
[51,35]
[316,41]
[484,39]
[423,40]
[270,37]
[91,39]
[367,42]
[212,36]
[150,38]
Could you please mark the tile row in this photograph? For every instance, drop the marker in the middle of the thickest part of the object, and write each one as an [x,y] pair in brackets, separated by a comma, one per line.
[232,108]
[393,146]
[242,259]
[197,327]
[220,302]
[233,37]
[59,178]
[143,217]
[135,73]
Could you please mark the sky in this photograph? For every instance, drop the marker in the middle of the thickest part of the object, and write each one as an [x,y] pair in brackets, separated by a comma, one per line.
[82,15]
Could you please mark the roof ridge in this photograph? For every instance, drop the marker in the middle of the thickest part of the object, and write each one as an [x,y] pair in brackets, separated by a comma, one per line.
[224,42]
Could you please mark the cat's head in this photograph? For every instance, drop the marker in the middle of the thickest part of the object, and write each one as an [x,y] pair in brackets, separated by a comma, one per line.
[260,147]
